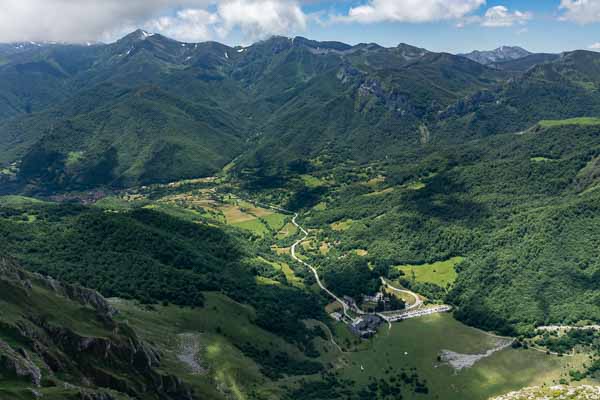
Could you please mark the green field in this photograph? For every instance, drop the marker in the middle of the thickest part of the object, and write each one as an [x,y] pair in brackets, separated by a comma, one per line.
[255,226]
[275,221]
[341,226]
[543,159]
[551,123]
[288,230]
[442,273]
[18,201]
[311,181]
[290,276]
[418,185]
[417,343]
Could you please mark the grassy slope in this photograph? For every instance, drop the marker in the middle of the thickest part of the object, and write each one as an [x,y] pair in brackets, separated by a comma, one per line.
[424,338]
[442,273]
[572,121]
[52,328]
[218,330]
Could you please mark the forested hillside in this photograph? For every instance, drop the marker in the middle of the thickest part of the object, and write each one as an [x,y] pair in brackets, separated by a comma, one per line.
[148,256]
[521,209]
[150,109]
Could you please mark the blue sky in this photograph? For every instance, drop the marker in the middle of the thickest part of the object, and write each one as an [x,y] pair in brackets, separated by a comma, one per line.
[543,32]
[438,25]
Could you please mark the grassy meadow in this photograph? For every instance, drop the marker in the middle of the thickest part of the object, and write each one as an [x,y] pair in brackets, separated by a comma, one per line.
[411,346]
[442,273]
[583,121]
[417,343]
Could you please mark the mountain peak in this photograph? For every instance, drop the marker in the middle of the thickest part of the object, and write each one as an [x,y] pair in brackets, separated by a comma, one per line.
[502,53]
[137,35]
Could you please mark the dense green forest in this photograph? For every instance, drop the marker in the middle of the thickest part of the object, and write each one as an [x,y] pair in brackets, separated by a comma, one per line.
[148,109]
[149,256]
[522,210]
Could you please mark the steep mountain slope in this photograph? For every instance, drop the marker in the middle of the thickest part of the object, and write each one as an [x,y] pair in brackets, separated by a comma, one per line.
[181,283]
[36,76]
[185,99]
[149,109]
[146,107]
[524,63]
[151,257]
[116,136]
[564,88]
[501,54]
[366,103]
[61,342]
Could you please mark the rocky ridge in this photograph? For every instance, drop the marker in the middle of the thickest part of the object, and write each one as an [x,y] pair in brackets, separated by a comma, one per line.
[38,351]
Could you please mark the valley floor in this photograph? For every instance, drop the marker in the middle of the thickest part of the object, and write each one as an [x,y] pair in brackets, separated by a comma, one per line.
[411,352]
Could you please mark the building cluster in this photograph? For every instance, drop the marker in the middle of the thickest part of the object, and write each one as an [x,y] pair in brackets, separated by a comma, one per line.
[374,299]
[366,325]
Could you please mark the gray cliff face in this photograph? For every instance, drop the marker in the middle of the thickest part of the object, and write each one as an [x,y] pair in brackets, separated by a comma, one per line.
[19,365]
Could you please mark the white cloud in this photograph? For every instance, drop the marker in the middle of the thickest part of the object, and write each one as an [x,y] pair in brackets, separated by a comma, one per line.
[497,17]
[500,16]
[189,25]
[594,46]
[580,11]
[74,20]
[189,20]
[260,18]
[411,10]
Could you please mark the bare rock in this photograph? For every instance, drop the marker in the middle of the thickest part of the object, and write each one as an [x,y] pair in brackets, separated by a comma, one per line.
[14,363]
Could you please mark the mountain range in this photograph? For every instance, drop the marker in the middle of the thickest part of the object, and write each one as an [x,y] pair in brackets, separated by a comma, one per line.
[150,109]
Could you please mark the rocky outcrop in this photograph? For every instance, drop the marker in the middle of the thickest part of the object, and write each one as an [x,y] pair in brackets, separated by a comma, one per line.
[84,296]
[584,392]
[113,358]
[79,294]
[349,74]
[89,395]
[17,364]
[468,105]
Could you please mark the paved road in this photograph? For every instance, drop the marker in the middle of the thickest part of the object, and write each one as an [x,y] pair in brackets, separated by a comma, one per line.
[411,311]
[345,306]
[418,302]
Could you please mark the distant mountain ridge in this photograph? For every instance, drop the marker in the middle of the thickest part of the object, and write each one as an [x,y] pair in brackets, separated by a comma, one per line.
[148,108]
[501,54]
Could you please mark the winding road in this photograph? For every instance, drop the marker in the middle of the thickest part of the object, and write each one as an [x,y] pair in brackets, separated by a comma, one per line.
[412,311]
[345,306]
[418,302]
[305,234]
